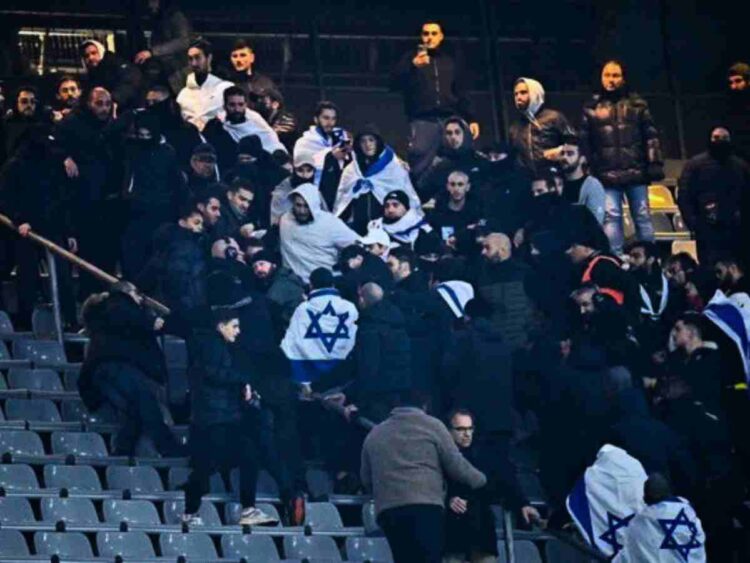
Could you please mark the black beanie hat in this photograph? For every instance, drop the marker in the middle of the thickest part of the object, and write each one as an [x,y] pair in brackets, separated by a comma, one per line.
[398,195]
[265,256]
[320,278]
[250,145]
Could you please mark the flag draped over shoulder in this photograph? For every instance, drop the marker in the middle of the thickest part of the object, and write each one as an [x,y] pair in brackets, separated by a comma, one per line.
[456,295]
[315,145]
[321,334]
[606,499]
[733,319]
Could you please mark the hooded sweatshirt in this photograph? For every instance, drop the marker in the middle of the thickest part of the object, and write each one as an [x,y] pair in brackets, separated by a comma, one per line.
[315,145]
[201,103]
[315,244]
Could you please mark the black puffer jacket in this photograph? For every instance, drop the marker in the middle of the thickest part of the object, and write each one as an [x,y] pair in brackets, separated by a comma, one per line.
[530,140]
[621,139]
[122,79]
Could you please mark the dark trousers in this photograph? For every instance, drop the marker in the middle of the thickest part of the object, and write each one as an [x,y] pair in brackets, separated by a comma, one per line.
[425,139]
[98,243]
[414,532]
[279,442]
[222,447]
[129,393]
[137,236]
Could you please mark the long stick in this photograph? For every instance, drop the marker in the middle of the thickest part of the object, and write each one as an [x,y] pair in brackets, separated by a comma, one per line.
[81,263]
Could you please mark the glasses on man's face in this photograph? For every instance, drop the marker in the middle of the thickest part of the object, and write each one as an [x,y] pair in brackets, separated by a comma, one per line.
[27,101]
[464,429]
[457,184]
[430,33]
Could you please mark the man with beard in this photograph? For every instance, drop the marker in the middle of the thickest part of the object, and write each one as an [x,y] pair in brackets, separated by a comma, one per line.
[90,143]
[182,136]
[254,84]
[153,187]
[434,88]
[539,133]
[106,70]
[738,106]
[457,153]
[201,98]
[712,185]
[240,217]
[209,204]
[621,142]
[303,172]
[731,276]
[270,105]
[27,113]
[67,94]
[235,122]
[310,237]
[281,286]
[403,224]
[579,186]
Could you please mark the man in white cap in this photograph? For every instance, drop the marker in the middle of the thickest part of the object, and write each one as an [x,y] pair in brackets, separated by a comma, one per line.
[378,243]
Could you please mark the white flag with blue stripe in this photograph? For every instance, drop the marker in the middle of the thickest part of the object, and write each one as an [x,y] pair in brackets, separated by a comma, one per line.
[665,532]
[606,499]
[733,319]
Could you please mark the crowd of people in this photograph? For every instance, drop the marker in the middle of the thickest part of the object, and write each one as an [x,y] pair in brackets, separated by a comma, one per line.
[493,287]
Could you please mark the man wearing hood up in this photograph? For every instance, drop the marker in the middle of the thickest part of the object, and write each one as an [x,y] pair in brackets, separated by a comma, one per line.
[539,132]
[105,69]
[374,172]
[711,188]
[182,136]
[621,142]
[202,97]
[310,237]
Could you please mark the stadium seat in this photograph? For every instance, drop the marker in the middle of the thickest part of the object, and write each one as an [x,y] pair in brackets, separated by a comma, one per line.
[20,442]
[12,544]
[41,352]
[70,380]
[141,479]
[73,477]
[130,545]
[311,547]
[322,515]
[175,352]
[37,410]
[174,509]
[266,484]
[368,549]
[17,477]
[233,510]
[73,411]
[369,520]
[15,510]
[660,198]
[76,511]
[41,379]
[43,322]
[559,552]
[251,548]
[141,512]
[179,475]
[64,544]
[197,546]
[81,444]
[524,550]
[319,483]
[688,246]
[662,223]
[7,361]
[6,325]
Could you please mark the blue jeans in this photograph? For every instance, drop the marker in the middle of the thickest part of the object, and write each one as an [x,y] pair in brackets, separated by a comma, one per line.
[638,201]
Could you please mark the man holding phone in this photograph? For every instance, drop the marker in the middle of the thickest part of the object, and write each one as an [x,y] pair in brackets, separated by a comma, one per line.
[434,90]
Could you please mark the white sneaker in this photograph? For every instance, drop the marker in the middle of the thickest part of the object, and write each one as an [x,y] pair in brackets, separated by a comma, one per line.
[254,516]
[192,520]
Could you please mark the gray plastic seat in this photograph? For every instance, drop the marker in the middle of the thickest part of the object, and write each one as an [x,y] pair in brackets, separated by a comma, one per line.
[63,544]
[319,483]
[14,510]
[72,477]
[40,352]
[524,550]
[233,510]
[76,511]
[43,322]
[73,411]
[17,477]
[175,352]
[368,549]
[174,509]
[70,380]
[140,512]
[559,552]
[20,442]
[369,520]
[253,548]
[130,545]
[195,545]
[37,410]
[311,547]
[41,379]
[12,544]
[6,325]
[322,515]
[140,479]
[179,475]
[82,444]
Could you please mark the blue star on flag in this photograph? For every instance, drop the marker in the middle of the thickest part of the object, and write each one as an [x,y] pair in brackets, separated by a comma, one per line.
[615,523]
[670,527]
[328,339]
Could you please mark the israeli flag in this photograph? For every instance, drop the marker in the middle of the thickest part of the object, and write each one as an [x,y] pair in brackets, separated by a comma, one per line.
[456,295]
[733,318]
[606,499]
[666,532]
[321,334]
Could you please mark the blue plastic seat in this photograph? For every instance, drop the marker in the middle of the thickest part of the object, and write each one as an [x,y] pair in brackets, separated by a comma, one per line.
[174,509]
[132,546]
[141,512]
[75,511]
[20,442]
[369,520]
[12,544]
[322,515]
[524,550]
[36,410]
[368,549]
[179,475]
[559,552]
[311,547]
[64,544]
[15,510]
[40,379]
[81,444]
[319,483]
[17,477]
[253,548]
[195,545]
[72,477]
[140,479]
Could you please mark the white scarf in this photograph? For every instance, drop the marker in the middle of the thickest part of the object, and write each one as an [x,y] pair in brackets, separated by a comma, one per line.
[405,230]
[254,124]
[648,307]
[456,295]
[314,145]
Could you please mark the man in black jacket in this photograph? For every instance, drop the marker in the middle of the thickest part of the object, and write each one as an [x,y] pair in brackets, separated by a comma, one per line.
[26,113]
[621,141]
[182,136]
[106,70]
[433,89]
[712,185]
[122,362]
[239,211]
[253,83]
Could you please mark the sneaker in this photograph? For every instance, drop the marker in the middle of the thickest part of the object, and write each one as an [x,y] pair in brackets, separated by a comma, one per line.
[296,511]
[192,520]
[254,517]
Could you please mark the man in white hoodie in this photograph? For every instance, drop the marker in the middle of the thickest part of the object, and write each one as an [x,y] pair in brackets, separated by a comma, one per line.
[311,237]
[202,97]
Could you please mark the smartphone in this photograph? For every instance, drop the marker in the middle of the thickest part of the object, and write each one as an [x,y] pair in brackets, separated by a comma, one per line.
[421,49]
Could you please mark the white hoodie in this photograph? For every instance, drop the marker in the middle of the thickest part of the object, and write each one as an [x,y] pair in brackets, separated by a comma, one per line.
[536,97]
[200,104]
[254,124]
[315,244]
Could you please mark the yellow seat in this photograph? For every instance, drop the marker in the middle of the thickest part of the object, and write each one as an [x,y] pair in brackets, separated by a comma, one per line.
[685,246]
[660,198]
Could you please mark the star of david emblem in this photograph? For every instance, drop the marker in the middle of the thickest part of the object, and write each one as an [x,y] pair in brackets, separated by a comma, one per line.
[328,339]
[363,185]
[670,527]
[615,523]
